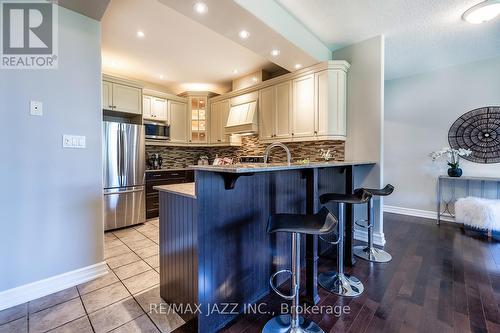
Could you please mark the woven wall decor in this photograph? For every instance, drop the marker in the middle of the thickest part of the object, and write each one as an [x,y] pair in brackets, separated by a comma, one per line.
[479,131]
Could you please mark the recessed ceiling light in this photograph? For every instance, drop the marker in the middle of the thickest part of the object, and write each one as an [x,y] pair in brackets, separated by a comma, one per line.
[114,63]
[200,7]
[482,12]
[140,34]
[235,71]
[275,52]
[254,79]
[244,34]
[297,66]
[161,76]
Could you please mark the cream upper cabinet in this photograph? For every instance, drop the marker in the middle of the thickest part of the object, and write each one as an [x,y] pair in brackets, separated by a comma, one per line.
[219,112]
[178,121]
[330,117]
[107,98]
[126,99]
[160,109]
[225,107]
[267,112]
[303,107]
[147,107]
[283,119]
[198,115]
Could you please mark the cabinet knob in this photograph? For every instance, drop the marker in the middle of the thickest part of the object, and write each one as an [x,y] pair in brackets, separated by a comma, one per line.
[293,134]
[315,132]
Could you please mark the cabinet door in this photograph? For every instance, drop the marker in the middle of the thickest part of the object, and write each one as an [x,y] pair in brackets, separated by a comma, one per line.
[215,122]
[303,107]
[331,103]
[160,109]
[224,108]
[127,99]
[178,122]
[107,97]
[147,107]
[267,111]
[283,120]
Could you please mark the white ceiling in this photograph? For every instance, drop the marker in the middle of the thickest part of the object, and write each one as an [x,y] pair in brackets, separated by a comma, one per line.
[421,35]
[189,55]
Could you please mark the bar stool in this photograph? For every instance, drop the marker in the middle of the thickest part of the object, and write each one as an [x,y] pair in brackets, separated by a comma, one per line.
[370,252]
[340,283]
[321,223]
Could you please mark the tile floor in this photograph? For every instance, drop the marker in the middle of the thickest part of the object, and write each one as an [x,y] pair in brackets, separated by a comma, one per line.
[120,301]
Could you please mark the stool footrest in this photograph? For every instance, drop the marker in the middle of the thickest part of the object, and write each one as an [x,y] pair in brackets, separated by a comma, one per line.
[275,289]
[335,242]
[363,223]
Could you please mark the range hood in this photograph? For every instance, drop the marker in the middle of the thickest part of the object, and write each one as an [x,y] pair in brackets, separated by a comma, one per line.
[243,119]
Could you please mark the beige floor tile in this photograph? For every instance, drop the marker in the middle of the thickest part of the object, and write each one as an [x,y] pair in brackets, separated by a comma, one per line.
[103,297]
[56,316]
[52,299]
[109,244]
[148,251]
[157,269]
[149,299]
[147,227]
[122,259]
[153,261]
[81,325]
[13,313]
[108,235]
[139,325]
[152,233]
[140,244]
[115,315]
[124,232]
[166,321]
[156,223]
[95,284]
[133,238]
[116,251]
[142,281]
[19,325]
[126,271]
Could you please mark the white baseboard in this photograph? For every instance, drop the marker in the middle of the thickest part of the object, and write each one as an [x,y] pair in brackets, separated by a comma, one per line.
[34,290]
[362,235]
[427,214]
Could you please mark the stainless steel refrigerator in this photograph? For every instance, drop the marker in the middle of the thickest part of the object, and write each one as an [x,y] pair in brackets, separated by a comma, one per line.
[124,174]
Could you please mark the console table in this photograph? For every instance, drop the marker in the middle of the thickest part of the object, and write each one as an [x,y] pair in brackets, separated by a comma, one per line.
[449,189]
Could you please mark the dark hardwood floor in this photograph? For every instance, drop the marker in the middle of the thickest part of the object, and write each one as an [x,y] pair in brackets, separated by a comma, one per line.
[441,279]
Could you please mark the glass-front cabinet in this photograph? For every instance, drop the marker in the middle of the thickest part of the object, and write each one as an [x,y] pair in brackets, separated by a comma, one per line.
[199,114]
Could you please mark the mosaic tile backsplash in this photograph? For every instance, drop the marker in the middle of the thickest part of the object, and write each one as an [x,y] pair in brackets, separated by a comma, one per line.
[179,157]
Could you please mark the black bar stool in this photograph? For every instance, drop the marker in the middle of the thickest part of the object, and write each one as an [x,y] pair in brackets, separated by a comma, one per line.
[340,283]
[321,223]
[370,252]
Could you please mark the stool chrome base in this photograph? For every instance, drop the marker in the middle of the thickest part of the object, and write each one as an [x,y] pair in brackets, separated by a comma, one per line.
[282,324]
[373,254]
[341,284]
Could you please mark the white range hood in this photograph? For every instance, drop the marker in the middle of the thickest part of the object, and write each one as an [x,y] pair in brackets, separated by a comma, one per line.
[243,119]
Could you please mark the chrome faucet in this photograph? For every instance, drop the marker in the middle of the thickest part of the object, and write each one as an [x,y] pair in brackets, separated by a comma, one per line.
[277,144]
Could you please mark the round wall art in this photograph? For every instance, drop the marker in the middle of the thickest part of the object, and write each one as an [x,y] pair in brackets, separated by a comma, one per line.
[479,131]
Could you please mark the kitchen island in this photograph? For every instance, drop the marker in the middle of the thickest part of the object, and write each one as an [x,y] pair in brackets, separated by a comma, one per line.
[214,248]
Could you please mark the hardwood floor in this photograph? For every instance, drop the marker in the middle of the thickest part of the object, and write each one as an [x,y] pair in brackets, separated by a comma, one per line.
[441,279]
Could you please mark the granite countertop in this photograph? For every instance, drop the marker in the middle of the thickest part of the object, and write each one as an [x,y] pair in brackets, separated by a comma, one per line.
[185,189]
[169,169]
[263,167]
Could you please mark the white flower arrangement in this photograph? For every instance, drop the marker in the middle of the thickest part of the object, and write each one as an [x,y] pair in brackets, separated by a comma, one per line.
[452,154]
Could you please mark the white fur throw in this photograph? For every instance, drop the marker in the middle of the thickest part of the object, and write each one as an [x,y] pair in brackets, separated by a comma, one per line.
[478,213]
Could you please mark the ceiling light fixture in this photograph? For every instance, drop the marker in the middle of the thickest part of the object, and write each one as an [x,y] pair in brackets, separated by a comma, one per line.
[275,52]
[200,7]
[254,79]
[298,66]
[244,34]
[482,12]
[235,71]
[161,76]
[140,34]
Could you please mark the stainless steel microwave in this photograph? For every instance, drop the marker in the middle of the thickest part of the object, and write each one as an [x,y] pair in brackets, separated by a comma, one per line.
[156,131]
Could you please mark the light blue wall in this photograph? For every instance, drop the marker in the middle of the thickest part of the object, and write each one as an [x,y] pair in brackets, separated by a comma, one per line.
[419,111]
[50,198]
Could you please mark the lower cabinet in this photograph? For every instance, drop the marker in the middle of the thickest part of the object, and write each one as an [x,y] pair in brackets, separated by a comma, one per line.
[162,177]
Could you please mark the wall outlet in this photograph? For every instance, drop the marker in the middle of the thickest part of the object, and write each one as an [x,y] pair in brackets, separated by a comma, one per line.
[36,108]
[73,141]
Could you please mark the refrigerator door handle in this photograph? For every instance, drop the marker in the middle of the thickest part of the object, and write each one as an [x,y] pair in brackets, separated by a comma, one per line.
[120,155]
[118,191]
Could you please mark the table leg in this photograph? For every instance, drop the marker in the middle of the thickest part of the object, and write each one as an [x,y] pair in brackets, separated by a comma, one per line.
[349,219]
[312,207]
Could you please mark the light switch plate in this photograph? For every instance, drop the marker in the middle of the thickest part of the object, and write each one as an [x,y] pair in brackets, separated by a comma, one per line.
[36,108]
[73,141]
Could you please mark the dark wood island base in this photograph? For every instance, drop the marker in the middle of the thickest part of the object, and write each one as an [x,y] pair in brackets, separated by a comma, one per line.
[215,254]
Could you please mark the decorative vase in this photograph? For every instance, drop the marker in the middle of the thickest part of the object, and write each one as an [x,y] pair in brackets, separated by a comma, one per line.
[454,172]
